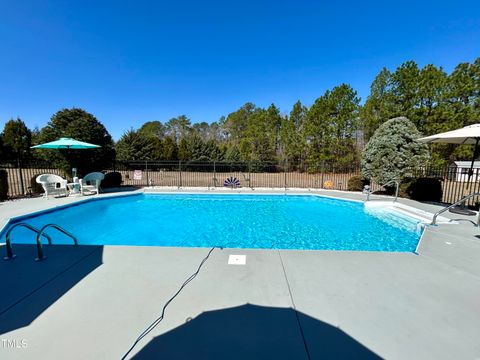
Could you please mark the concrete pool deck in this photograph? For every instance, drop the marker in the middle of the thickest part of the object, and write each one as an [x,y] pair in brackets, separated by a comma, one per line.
[93,301]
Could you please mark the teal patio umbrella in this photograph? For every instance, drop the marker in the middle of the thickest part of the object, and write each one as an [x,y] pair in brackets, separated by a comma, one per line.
[67,143]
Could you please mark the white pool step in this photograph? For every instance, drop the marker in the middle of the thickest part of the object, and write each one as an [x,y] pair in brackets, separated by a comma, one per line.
[423,216]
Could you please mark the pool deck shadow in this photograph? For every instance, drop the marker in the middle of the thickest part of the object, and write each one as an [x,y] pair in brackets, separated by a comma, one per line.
[23,278]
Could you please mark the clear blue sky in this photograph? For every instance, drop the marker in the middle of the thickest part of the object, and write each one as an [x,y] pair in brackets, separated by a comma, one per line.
[128,62]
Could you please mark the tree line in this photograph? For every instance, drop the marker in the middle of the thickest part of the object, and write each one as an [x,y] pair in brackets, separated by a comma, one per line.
[333,130]
[328,131]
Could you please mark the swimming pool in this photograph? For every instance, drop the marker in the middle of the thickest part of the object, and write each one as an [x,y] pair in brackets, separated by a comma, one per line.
[306,222]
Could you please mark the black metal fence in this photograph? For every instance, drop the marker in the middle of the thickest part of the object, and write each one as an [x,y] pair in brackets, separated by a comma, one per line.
[249,174]
[456,182]
[21,175]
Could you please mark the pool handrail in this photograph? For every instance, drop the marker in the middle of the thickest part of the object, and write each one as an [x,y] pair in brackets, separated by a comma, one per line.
[8,242]
[462,200]
[397,187]
[59,228]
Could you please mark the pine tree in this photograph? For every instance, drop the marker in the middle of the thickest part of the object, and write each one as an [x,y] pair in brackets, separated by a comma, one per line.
[133,145]
[170,149]
[16,139]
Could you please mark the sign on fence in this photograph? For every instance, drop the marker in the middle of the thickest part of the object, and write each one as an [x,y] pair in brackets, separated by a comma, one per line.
[137,175]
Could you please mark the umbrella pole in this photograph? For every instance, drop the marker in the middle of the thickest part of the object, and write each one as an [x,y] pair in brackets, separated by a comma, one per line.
[475,153]
[70,164]
[470,171]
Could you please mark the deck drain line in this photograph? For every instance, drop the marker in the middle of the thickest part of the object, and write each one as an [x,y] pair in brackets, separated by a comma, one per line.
[162,315]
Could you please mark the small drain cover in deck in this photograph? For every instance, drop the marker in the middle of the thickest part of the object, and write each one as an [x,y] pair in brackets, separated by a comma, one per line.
[237,259]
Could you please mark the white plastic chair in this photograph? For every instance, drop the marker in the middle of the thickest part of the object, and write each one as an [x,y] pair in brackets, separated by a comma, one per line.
[91,183]
[52,184]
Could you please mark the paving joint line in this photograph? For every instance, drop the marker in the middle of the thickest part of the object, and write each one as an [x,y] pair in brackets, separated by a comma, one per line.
[294,306]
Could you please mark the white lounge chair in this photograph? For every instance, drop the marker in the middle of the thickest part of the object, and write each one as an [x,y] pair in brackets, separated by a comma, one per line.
[52,184]
[91,183]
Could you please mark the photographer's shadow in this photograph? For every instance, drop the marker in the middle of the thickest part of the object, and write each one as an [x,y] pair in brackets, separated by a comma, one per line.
[254,332]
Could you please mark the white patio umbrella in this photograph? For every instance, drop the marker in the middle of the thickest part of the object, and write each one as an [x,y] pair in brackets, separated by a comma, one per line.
[466,135]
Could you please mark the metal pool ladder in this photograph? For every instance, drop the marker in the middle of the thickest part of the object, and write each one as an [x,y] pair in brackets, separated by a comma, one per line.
[40,233]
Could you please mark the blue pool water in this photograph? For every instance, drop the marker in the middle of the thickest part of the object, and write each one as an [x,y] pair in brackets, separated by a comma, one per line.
[243,221]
